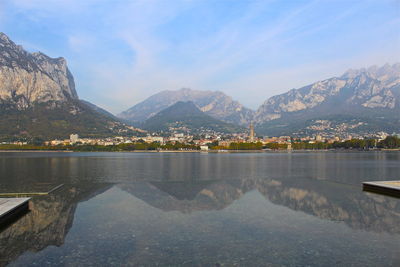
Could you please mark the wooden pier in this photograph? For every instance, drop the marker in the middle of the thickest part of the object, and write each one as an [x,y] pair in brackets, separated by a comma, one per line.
[10,208]
[391,188]
[29,194]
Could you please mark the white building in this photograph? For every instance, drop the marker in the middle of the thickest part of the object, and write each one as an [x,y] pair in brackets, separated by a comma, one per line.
[73,138]
[179,135]
[151,139]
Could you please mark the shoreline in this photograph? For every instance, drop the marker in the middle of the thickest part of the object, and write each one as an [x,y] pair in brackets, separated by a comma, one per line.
[199,151]
[31,150]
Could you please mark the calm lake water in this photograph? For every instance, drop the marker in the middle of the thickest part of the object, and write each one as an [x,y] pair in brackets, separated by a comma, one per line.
[199,209]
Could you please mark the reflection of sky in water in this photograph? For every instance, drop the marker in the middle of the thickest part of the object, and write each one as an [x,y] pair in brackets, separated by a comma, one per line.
[116,227]
[252,218]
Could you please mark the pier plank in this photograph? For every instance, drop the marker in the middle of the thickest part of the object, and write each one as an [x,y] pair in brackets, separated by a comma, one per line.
[10,207]
[391,188]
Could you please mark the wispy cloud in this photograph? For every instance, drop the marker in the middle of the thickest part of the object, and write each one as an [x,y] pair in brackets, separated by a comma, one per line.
[80,42]
[123,51]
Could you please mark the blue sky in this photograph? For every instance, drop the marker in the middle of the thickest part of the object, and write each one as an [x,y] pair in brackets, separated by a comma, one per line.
[121,52]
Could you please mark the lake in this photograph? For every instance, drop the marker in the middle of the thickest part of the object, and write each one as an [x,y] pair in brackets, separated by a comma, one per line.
[202,209]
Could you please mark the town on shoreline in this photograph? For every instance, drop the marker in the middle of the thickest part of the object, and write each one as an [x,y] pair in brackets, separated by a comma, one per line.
[212,143]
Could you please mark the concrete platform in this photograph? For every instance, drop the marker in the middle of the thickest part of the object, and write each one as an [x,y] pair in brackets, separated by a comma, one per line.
[391,188]
[12,207]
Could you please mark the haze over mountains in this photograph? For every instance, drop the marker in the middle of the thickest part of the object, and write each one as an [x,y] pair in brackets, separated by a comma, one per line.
[365,99]
[368,98]
[188,118]
[216,104]
[372,88]
[38,98]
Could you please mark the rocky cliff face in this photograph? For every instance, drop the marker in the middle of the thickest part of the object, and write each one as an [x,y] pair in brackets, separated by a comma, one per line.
[372,88]
[28,78]
[38,99]
[215,104]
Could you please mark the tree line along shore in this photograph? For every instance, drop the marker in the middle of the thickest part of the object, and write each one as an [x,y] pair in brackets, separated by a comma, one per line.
[390,142]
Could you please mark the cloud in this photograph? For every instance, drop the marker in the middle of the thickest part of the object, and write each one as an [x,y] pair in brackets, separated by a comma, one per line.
[80,42]
[123,51]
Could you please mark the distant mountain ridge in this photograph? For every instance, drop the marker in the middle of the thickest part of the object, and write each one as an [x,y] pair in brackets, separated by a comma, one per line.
[368,97]
[364,100]
[38,98]
[215,104]
[188,118]
[370,88]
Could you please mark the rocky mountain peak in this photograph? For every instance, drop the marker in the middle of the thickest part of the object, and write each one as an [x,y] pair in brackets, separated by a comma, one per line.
[41,57]
[4,39]
[29,78]
[382,73]
[373,88]
[213,103]
[185,91]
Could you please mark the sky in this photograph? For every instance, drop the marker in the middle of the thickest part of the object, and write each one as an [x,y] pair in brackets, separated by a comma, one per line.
[123,51]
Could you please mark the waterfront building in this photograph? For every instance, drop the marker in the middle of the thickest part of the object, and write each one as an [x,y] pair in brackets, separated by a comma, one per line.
[151,139]
[224,143]
[73,138]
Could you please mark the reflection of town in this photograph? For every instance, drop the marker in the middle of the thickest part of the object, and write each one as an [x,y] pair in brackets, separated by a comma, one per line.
[52,216]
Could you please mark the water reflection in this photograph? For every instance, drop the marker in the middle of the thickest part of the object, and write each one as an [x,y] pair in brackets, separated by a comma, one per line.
[47,223]
[201,209]
[17,169]
[187,196]
[331,201]
[335,202]
[52,216]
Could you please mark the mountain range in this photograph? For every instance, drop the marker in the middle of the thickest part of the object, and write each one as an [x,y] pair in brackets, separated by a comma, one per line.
[37,93]
[361,100]
[215,104]
[365,99]
[38,98]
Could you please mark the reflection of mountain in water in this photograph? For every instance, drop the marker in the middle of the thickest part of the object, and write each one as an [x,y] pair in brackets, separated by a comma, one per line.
[335,202]
[52,216]
[323,199]
[47,223]
[188,196]
[182,190]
